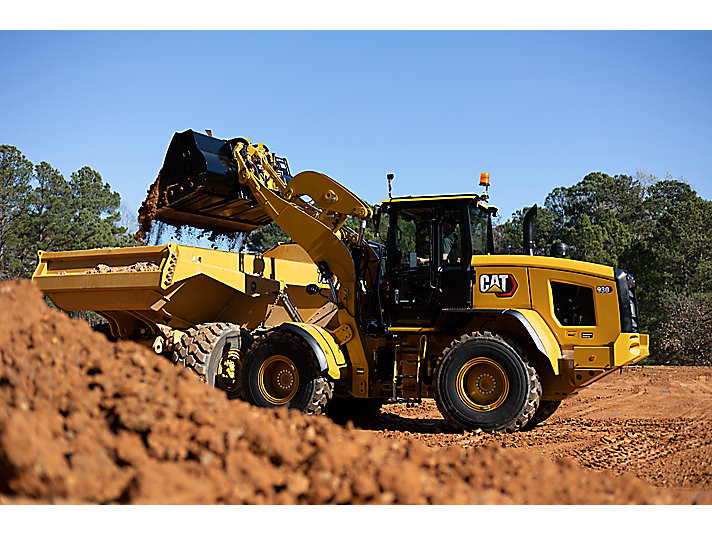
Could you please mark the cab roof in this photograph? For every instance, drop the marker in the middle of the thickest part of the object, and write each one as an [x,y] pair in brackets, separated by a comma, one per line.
[479,200]
[411,198]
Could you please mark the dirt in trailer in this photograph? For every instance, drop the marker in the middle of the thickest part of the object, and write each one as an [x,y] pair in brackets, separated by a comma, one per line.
[83,420]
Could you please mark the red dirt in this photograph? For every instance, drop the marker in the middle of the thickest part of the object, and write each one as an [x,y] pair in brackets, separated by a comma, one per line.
[650,422]
[83,420]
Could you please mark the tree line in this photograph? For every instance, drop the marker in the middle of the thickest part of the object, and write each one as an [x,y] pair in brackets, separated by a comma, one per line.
[42,210]
[660,230]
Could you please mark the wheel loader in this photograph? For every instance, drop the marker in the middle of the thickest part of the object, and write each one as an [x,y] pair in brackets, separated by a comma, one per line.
[335,323]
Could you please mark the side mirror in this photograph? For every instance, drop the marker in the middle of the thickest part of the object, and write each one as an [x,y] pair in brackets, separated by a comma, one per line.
[312,289]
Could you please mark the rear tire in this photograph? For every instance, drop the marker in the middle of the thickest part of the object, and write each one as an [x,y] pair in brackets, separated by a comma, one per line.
[215,352]
[484,381]
[281,371]
[545,410]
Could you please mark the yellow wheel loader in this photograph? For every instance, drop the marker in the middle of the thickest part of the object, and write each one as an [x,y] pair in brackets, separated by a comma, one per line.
[334,323]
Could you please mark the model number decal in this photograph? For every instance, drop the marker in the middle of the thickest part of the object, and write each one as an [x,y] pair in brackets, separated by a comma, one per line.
[604,289]
[502,285]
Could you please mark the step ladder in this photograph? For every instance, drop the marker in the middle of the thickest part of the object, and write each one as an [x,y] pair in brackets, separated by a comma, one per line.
[406,386]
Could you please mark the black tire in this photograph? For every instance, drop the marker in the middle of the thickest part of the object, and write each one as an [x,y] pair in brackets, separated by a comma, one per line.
[105,329]
[545,410]
[484,381]
[215,352]
[282,371]
[342,409]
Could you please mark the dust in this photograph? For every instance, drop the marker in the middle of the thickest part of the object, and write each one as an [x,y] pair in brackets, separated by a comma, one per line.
[83,420]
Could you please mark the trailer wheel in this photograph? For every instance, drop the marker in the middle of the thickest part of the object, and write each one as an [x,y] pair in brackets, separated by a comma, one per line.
[484,381]
[215,352]
[545,410]
[281,370]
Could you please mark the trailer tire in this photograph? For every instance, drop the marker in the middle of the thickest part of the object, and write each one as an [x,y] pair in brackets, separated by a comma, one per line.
[105,330]
[281,371]
[486,381]
[215,353]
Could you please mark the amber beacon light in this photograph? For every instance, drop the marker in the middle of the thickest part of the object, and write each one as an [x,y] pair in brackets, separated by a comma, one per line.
[484,179]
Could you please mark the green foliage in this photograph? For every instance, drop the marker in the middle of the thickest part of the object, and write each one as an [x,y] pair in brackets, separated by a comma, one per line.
[15,189]
[263,239]
[41,210]
[659,230]
[508,237]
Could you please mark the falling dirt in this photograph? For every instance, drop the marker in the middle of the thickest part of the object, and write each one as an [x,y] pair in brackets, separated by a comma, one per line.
[83,420]
[151,230]
[147,211]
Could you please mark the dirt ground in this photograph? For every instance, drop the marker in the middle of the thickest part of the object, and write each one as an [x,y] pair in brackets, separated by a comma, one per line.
[83,420]
[654,423]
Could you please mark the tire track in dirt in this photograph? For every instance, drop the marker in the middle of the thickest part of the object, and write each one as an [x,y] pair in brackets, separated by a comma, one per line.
[650,422]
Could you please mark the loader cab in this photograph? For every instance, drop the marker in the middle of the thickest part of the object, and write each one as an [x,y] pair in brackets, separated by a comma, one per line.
[430,244]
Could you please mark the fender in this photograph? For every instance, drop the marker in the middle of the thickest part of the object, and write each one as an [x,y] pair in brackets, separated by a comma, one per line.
[322,344]
[533,324]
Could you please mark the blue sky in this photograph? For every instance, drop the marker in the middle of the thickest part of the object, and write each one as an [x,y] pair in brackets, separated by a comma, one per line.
[536,110]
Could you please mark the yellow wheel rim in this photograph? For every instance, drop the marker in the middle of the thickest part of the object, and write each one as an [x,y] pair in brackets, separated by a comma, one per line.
[229,370]
[278,379]
[482,384]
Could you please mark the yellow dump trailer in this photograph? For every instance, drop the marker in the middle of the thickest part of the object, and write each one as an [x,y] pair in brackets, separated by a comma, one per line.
[139,288]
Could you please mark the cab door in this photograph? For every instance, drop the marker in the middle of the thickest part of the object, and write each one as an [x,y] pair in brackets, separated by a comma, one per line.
[412,292]
[429,252]
[453,269]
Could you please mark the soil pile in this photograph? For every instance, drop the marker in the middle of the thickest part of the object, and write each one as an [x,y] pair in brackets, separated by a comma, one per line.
[83,420]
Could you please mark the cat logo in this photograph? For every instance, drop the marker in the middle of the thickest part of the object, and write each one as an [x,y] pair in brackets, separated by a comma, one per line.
[502,285]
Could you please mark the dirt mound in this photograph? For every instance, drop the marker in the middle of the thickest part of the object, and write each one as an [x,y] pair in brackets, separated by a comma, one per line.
[86,421]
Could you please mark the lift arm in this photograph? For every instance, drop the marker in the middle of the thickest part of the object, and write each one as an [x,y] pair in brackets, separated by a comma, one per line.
[312,209]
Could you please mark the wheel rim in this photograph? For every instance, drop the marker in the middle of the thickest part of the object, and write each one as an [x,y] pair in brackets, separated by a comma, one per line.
[229,370]
[278,379]
[482,384]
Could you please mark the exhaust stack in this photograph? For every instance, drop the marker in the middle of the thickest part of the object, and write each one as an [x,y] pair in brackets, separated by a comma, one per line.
[528,242]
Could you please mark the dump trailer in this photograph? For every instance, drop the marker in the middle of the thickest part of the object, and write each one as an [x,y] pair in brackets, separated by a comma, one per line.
[336,323]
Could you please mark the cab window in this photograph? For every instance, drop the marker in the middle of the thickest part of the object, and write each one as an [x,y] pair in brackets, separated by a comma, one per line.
[452,243]
[413,238]
[479,222]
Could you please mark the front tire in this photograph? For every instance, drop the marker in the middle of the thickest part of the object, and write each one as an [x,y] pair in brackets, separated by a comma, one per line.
[484,381]
[281,371]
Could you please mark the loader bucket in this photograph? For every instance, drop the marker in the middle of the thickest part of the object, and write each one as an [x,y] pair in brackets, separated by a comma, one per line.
[198,186]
